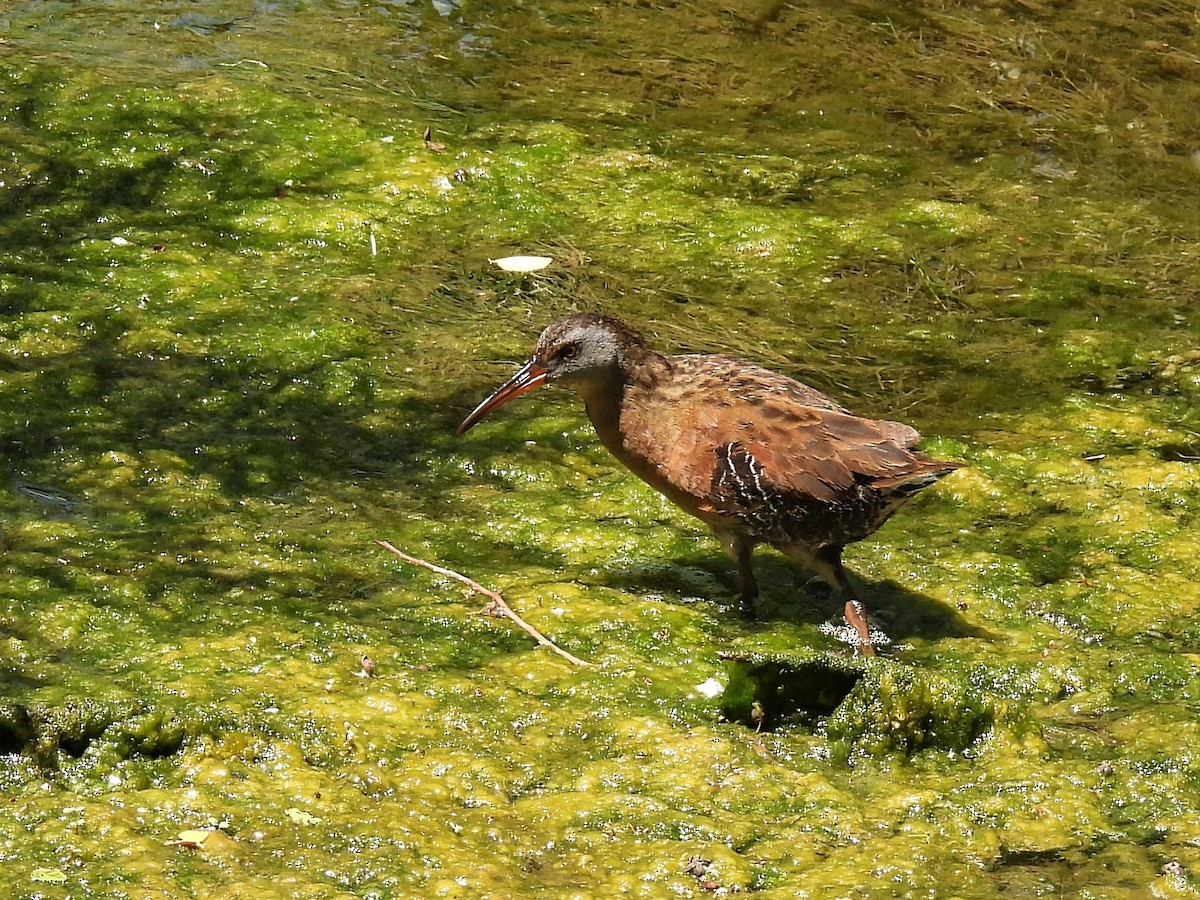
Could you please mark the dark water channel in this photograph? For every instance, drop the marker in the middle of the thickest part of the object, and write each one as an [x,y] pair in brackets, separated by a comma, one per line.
[244,300]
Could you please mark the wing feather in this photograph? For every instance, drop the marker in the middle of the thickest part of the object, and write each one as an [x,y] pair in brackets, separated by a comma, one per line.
[803,445]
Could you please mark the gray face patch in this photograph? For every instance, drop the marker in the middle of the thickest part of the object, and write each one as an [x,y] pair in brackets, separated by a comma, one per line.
[577,352]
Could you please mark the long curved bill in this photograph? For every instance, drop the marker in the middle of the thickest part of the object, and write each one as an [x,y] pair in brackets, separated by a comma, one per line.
[527,378]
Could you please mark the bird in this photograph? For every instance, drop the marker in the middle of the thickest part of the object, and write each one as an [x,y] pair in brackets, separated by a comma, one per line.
[759,457]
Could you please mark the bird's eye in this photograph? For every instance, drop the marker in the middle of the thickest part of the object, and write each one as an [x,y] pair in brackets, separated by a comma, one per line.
[568,351]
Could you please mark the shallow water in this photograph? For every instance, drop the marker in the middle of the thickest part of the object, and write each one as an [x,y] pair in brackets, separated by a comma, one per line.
[245,303]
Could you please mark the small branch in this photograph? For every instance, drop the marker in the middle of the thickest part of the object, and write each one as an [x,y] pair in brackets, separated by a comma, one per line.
[497,603]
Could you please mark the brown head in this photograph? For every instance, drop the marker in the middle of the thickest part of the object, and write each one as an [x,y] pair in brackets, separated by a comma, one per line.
[586,349]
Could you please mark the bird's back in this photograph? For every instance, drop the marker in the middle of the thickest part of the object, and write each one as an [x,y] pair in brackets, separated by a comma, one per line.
[746,448]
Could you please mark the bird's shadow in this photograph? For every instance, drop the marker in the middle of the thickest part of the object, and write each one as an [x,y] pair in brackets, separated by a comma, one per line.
[791,593]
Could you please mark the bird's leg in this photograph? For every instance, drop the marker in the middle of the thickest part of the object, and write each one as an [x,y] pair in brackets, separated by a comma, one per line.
[741,550]
[827,562]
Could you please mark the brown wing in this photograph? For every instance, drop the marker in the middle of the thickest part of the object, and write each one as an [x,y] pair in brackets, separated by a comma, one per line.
[735,434]
[822,454]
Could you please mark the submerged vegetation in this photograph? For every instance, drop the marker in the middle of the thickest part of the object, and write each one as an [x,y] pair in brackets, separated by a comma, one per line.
[246,297]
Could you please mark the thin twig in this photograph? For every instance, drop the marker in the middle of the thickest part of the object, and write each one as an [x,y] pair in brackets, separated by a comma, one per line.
[497,602]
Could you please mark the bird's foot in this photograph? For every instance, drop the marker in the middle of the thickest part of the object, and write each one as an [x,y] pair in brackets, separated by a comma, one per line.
[856,616]
[848,634]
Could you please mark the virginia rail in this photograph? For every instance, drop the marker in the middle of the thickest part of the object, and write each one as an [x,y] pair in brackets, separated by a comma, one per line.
[758,457]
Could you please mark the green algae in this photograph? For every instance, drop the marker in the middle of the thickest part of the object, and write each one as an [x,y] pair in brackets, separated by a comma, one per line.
[872,707]
[245,305]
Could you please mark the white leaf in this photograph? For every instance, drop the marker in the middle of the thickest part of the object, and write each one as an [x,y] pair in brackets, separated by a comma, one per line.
[523,263]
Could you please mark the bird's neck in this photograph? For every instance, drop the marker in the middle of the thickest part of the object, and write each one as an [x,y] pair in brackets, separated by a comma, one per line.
[605,399]
[603,405]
